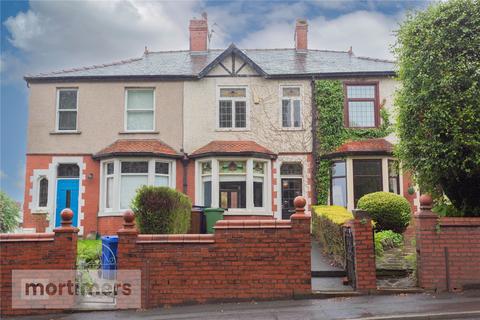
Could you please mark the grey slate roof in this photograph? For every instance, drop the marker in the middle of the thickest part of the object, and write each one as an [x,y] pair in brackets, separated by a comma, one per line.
[273,63]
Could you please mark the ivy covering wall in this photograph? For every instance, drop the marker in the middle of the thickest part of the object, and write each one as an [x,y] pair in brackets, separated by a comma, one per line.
[331,131]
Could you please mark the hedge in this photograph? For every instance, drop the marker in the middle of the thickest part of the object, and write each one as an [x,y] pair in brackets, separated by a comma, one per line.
[161,210]
[327,224]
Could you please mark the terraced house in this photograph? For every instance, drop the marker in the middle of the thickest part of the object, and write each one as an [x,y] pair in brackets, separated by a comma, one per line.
[232,128]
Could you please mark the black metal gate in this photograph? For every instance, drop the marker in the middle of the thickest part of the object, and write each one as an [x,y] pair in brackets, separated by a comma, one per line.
[349,256]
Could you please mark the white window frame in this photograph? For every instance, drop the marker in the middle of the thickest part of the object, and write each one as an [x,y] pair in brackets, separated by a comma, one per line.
[281,98]
[249,176]
[125,116]
[350,182]
[58,110]
[116,210]
[105,178]
[36,193]
[247,108]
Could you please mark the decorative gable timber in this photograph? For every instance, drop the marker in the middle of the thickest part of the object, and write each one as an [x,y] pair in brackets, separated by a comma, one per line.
[233,62]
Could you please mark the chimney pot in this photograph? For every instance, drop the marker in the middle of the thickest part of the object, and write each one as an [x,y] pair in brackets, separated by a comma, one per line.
[301,39]
[198,34]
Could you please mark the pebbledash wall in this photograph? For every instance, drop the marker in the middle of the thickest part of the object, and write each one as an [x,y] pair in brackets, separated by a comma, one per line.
[37,251]
[243,259]
[448,250]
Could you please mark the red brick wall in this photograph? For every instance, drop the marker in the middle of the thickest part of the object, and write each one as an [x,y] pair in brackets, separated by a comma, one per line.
[91,195]
[365,268]
[244,259]
[448,251]
[109,225]
[55,251]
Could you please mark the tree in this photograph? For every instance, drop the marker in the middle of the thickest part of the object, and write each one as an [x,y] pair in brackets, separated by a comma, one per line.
[9,213]
[439,100]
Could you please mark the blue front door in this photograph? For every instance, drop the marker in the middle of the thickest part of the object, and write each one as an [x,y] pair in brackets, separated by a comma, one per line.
[67,197]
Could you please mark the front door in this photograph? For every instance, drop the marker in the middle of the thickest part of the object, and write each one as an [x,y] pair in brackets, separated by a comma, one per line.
[291,188]
[67,197]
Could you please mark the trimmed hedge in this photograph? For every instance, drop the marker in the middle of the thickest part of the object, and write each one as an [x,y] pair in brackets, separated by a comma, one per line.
[327,224]
[161,210]
[389,211]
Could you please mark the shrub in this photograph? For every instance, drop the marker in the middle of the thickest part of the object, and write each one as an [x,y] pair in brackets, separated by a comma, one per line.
[327,224]
[389,211]
[9,213]
[388,239]
[438,100]
[161,210]
[89,252]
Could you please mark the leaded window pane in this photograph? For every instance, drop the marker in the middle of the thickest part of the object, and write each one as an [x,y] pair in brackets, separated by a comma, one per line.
[68,171]
[67,120]
[206,167]
[361,113]
[291,169]
[67,99]
[233,92]
[233,167]
[161,167]
[296,113]
[291,92]
[258,167]
[286,113]
[134,166]
[367,177]
[43,193]
[358,92]
[240,114]
[225,114]
[110,168]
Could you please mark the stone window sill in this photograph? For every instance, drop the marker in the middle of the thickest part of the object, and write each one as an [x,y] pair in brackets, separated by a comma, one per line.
[139,132]
[64,132]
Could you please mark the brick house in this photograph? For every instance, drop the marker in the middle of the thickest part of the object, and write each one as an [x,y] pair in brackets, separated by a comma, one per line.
[230,128]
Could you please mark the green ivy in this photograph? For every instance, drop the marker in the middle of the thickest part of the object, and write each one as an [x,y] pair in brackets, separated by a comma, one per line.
[331,132]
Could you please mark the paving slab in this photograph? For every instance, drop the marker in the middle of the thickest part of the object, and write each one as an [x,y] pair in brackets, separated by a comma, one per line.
[320,262]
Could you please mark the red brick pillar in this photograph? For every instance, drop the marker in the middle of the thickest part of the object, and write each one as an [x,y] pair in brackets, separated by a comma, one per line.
[128,256]
[364,246]
[301,229]
[428,263]
[65,255]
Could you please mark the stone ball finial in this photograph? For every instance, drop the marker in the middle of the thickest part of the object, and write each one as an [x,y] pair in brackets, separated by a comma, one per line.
[300,202]
[67,216]
[128,216]
[426,201]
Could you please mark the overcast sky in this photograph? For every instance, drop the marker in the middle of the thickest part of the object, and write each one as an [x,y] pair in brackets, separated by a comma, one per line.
[39,36]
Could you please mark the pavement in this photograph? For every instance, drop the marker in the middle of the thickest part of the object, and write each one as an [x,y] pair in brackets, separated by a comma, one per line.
[464,305]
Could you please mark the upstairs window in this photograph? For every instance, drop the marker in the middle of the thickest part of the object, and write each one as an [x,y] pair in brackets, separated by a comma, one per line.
[232,108]
[291,107]
[139,110]
[67,103]
[361,105]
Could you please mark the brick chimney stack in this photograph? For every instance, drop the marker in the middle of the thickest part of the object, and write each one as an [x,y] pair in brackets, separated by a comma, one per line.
[199,34]
[301,39]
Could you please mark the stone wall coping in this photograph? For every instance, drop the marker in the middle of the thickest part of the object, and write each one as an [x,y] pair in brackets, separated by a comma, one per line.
[175,238]
[253,224]
[21,237]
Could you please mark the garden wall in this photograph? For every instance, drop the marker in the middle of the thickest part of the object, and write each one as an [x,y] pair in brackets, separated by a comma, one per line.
[243,259]
[51,251]
[448,250]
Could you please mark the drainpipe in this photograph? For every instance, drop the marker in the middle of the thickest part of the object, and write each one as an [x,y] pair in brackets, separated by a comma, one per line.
[314,142]
[185,161]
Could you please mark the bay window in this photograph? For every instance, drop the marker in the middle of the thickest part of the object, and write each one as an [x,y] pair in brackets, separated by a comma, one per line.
[139,109]
[367,177]
[239,185]
[338,184]
[122,177]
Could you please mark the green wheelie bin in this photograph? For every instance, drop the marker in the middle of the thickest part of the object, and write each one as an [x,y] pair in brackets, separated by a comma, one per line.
[212,215]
